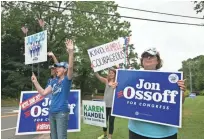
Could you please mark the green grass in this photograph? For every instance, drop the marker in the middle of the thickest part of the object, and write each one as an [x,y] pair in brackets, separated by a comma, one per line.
[193,119]
[92,132]
[9,102]
[192,125]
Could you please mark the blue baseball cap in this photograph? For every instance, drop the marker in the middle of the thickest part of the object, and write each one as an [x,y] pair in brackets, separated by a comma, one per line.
[61,64]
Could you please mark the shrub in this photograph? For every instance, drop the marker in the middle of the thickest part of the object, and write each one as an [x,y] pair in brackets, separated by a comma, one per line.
[201,93]
[186,93]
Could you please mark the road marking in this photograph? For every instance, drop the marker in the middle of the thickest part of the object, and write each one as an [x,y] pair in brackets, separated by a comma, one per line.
[8,129]
[8,115]
[9,109]
[14,111]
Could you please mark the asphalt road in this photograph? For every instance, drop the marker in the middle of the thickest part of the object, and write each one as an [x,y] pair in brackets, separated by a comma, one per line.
[8,125]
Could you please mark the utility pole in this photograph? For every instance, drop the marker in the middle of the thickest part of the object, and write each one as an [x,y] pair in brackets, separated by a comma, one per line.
[190,76]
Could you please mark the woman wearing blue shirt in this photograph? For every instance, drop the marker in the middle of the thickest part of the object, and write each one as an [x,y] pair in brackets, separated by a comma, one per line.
[60,88]
[150,60]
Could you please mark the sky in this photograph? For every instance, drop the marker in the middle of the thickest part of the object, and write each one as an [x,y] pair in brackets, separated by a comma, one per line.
[175,43]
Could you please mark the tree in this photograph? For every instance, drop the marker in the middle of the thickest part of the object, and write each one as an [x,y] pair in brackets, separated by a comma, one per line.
[199,6]
[67,19]
[196,66]
[132,57]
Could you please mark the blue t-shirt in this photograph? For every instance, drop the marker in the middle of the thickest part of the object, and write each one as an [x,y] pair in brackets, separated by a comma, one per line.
[48,83]
[151,130]
[60,92]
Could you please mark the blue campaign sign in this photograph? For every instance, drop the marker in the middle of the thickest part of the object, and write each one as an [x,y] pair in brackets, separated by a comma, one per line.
[150,96]
[33,116]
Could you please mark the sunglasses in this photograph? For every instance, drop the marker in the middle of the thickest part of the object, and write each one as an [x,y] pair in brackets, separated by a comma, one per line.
[146,55]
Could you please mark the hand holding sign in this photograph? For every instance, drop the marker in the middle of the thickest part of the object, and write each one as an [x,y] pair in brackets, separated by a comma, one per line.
[92,67]
[50,54]
[114,85]
[181,84]
[117,66]
[33,78]
[69,45]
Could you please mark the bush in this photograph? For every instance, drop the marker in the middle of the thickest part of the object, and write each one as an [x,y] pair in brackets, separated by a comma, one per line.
[186,93]
[201,93]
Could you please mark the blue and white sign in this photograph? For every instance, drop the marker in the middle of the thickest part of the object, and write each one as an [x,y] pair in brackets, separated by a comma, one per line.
[192,95]
[150,96]
[33,116]
[36,48]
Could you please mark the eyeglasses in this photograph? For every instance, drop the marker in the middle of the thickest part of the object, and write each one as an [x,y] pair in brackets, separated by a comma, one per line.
[146,55]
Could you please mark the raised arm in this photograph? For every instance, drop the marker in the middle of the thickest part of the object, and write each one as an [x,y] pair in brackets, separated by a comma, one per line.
[42,91]
[51,54]
[70,51]
[102,79]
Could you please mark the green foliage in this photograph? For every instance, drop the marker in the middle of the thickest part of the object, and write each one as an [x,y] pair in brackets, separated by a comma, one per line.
[199,6]
[186,93]
[196,65]
[88,30]
[201,93]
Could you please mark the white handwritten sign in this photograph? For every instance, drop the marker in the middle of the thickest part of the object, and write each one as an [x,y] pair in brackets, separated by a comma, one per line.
[107,55]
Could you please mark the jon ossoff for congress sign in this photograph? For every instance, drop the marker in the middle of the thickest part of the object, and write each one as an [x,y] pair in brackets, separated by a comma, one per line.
[33,116]
[149,96]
